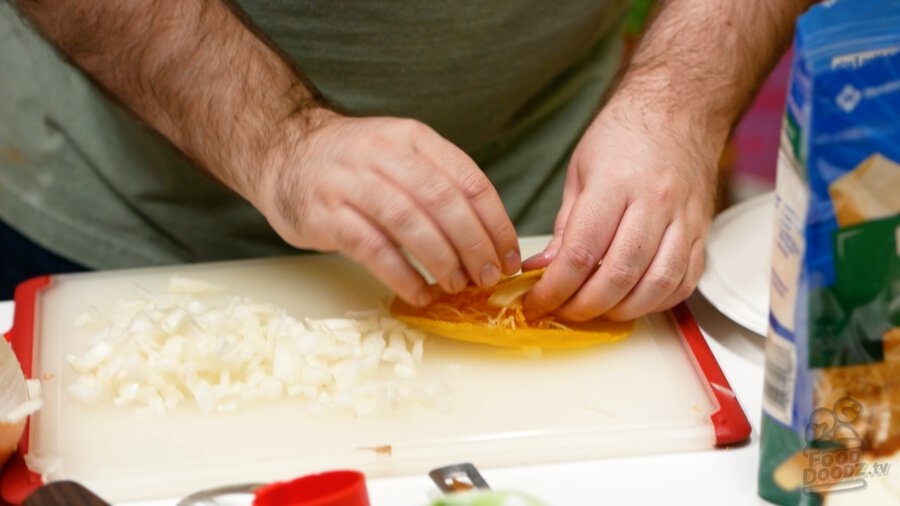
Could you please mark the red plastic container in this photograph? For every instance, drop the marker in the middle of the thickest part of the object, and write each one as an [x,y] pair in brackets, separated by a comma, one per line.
[333,488]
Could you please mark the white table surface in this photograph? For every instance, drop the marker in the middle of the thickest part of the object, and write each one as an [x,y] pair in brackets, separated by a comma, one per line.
[714,477]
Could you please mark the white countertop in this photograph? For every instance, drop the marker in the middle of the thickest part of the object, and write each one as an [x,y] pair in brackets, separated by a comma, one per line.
[715,477]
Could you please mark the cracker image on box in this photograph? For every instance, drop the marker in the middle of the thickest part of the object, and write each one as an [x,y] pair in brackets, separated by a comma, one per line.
[870,191]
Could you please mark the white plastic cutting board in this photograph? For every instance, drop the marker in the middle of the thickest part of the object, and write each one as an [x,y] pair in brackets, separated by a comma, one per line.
[641,395]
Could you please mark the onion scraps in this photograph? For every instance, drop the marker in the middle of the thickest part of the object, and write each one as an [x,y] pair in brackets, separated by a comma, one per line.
[196,343]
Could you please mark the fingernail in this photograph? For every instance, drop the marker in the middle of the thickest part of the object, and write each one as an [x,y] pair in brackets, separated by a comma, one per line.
[423,297]
[511,262]
[529,312]
[536,261]
[490,274]
[458,281]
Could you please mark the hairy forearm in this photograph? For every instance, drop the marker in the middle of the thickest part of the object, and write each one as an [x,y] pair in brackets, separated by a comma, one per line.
[701,61]
[189,68]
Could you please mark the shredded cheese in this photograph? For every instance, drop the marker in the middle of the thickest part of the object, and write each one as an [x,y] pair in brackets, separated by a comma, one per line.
[477,306]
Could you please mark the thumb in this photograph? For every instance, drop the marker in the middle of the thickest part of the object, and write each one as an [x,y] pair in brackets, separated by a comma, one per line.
[543,258]
[546,256]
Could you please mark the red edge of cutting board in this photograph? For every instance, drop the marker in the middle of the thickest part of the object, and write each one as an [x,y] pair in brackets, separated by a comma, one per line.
[729,421]
[17,481]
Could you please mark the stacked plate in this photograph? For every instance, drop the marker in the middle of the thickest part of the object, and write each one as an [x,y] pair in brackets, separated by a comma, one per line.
[738,258]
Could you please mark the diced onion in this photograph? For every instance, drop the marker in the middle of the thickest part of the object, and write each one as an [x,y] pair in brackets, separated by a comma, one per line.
[195,343]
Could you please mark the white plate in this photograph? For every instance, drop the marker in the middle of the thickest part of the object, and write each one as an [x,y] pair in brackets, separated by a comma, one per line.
[738,260]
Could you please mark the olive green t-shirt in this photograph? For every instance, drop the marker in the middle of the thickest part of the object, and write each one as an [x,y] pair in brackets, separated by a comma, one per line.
[513,83]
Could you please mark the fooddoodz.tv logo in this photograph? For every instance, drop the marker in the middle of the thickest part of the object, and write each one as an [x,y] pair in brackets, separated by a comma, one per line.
[835,454]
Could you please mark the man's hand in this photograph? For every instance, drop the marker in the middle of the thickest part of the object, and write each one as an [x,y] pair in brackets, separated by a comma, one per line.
[369,188]
[638,196]
[373,187]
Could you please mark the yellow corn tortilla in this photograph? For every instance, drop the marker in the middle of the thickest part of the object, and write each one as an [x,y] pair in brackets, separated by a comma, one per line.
[546,332]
